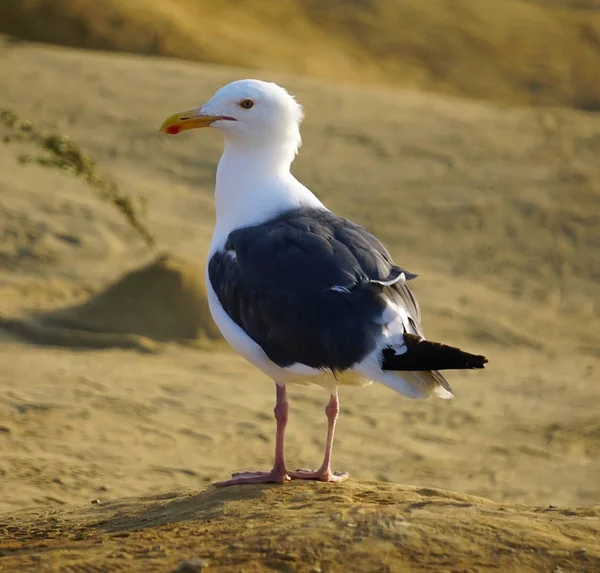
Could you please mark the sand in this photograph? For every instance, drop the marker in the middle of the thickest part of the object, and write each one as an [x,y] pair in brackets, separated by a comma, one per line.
[494,207]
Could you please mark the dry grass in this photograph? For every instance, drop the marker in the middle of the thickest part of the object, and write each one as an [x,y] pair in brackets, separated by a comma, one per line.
[59,151]
[534,52]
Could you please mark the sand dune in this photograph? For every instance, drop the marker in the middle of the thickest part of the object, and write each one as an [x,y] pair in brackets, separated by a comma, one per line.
[493,207]
[164,301]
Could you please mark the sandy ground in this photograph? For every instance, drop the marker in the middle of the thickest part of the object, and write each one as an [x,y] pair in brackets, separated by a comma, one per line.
[125,392]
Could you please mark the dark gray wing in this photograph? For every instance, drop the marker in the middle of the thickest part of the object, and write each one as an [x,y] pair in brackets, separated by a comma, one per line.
[376,261]
[304,286]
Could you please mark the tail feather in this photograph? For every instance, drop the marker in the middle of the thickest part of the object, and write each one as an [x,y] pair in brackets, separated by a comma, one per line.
[423,355]
[412,369]
[442,389]
[415,385]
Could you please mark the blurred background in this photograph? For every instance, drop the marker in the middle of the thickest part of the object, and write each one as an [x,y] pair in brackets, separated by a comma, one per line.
[464,133]
[517,51]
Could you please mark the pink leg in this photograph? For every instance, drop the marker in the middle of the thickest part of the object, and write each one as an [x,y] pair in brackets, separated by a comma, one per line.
[279,472]
[324,473]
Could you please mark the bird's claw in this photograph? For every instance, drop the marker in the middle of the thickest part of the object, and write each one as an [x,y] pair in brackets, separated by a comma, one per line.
[324,475]
[240,478]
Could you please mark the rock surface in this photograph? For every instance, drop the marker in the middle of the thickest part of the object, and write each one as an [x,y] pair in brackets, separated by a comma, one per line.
[303,527]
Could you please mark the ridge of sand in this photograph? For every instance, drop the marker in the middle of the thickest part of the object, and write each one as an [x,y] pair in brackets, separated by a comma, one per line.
[303,528]
[163,301]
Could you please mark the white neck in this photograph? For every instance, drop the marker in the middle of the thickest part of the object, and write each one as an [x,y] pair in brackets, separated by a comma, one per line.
[254,184]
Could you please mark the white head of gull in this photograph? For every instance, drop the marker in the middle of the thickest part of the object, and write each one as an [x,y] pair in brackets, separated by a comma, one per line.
[260,123]
[301,293]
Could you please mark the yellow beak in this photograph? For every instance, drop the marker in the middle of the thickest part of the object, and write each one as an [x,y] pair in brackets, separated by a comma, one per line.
[190,119]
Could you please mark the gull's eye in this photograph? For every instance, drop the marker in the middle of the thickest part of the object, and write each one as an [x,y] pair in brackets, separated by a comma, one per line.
[246,104]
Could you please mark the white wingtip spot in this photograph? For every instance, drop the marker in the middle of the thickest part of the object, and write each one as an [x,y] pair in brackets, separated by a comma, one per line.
[442,393]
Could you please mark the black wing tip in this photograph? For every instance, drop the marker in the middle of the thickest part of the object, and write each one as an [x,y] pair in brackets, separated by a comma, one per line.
[407,274]
[423,354]
[476,362]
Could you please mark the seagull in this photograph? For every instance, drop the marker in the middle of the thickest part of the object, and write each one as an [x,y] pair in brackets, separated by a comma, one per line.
[301,293]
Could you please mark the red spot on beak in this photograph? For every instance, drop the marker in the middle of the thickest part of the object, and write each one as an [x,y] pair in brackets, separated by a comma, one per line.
[173,129]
